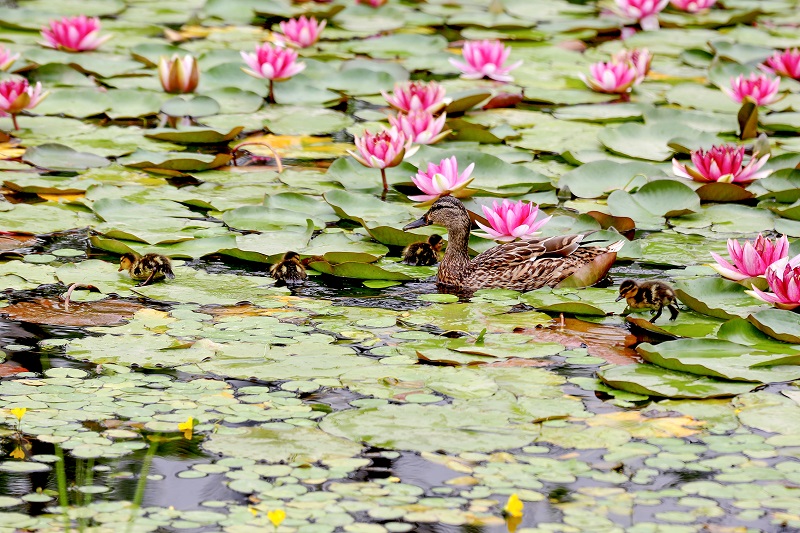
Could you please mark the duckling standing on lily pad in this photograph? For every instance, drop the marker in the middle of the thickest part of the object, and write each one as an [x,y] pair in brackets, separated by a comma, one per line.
[655,295]
[425,253]
[289,269]
[146,268]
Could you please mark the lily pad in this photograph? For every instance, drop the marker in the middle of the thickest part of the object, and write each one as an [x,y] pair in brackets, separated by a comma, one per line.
[654,380]
[54,156]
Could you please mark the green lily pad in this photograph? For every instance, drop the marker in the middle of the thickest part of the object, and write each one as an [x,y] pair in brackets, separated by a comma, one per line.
[197,106]
[599,178]
[654,380]
[54,156]
[778,324]
[653,202]
[174,161]
[718,297]
[723,359]
[194,135]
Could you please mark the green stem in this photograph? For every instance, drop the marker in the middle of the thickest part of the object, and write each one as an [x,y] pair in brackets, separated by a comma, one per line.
[140,486]
[61,480]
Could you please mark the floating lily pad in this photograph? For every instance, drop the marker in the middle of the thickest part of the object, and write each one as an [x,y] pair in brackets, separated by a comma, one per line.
[723,359]
[194,135]
[54,156]
[718,297]
[653,380]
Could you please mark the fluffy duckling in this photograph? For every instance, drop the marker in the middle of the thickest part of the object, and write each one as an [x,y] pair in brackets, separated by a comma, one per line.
[289,269]
[655,295]
[424,253]
[147,268]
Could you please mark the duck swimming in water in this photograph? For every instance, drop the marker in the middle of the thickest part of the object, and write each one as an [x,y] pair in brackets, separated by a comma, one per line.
[289,269]
[519,265]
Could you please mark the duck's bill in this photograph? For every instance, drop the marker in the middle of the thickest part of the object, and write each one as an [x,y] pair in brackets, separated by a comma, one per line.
[417,224]
[620,297]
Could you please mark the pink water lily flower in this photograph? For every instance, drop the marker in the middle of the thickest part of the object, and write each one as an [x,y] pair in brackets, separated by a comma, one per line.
[17,95]
[645,12]
[640,58]
[786,64]
[6,58]
[783,279]
[752,259]
[74,34]
[762,89]
[417,95]
[441,180]
[302,32]
[724,164]
[382,150]
[693,6]
[485,59]
[512,220]
[611,77]
[178,75]
[421,127]
[272,63]
[371,3]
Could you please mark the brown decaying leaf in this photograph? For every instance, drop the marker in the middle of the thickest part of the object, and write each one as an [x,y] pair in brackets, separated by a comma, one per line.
[641,426]
[624,225]
[607,342]
[10,368]
[51,312]
[748,120]
[12,242]
[503,100]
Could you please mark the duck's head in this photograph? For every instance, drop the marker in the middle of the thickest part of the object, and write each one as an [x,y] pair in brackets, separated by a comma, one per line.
[627,289]
[126,261]
[291,256]
[447,211]
[435,241]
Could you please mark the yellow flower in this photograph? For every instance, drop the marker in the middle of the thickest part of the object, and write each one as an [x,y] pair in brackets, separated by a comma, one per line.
[187,427]
[276,516]
[19,412]
[514,506]
[18,453]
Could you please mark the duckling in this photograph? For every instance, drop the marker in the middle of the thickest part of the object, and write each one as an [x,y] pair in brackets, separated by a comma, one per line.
[423,253]
[520,265]
[655,295]
[289,269]
[148,267]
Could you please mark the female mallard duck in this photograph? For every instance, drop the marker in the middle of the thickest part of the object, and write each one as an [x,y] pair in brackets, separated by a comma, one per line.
[148,267]
[655,295]
[519,265]
[289,269]
[425,253]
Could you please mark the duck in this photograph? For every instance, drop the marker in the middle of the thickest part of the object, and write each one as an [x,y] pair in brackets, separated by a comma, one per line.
[520,265]
[655,295]
[425,253]
[289,269]
[147,268]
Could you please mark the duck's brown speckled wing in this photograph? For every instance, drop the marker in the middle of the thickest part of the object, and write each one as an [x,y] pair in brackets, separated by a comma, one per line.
[528,265]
